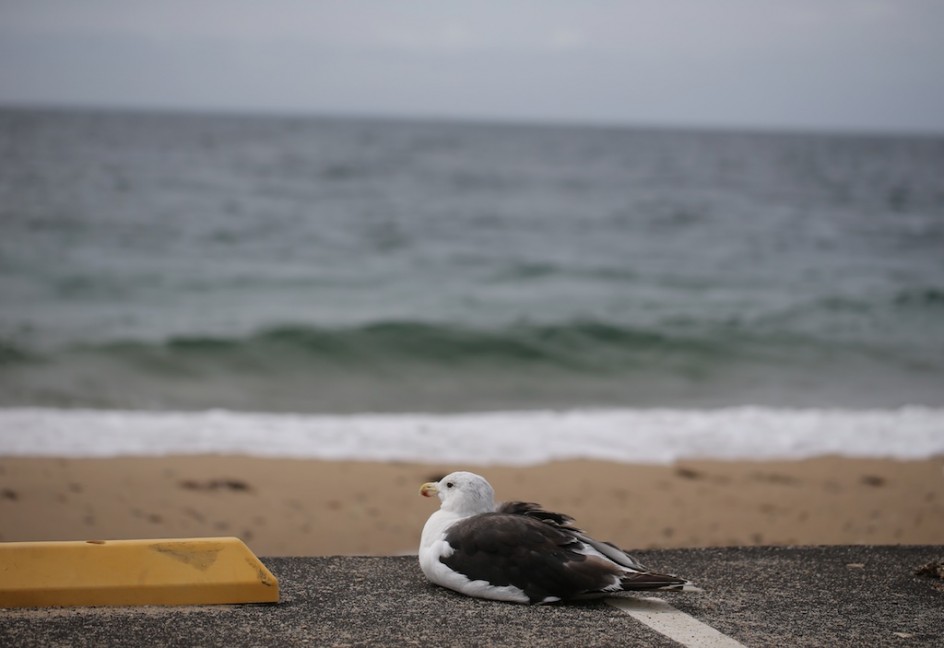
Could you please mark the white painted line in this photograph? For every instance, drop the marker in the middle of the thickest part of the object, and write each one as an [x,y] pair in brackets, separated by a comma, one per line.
[674,624]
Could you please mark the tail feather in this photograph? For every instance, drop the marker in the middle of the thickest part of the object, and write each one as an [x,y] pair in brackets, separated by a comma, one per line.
[644,581]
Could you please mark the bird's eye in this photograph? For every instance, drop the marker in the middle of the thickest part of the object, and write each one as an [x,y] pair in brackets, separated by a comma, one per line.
[449,484]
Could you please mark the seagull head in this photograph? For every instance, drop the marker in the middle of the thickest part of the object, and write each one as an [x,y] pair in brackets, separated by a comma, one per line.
[463,493]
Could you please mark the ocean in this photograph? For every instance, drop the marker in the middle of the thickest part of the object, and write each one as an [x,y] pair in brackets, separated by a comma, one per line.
[331,268]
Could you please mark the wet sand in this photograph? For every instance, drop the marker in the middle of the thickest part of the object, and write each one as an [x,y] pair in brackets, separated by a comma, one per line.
[306,507]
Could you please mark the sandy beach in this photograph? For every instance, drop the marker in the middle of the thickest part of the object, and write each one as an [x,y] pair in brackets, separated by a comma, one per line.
[303,507]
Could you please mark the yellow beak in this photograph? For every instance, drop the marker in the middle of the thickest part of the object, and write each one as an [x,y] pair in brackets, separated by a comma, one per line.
[429,489]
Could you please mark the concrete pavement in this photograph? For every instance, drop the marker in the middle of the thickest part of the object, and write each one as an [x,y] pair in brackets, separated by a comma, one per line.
[758,596]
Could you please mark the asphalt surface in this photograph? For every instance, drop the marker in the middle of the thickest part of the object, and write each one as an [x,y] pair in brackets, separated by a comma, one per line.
[796,596]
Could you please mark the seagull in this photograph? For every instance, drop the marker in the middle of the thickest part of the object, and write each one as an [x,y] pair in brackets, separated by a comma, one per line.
[519,552]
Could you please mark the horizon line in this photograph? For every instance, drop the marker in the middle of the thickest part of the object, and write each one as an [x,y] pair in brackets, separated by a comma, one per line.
[467,119]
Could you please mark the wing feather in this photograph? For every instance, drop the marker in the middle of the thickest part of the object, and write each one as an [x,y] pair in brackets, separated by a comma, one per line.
[545,560]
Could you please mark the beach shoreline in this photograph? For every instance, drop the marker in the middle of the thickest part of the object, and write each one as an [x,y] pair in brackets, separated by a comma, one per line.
[305,507]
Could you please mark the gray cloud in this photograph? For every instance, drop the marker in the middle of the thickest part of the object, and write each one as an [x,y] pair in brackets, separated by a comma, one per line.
[804,64]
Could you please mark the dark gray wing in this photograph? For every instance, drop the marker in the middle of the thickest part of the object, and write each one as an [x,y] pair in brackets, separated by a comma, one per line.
[532,510]
[608,549]
[542,559]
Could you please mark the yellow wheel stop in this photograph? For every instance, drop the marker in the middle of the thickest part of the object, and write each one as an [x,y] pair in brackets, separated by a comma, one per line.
[192,571]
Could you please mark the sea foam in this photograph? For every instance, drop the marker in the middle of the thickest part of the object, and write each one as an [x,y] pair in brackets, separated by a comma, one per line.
[512,438]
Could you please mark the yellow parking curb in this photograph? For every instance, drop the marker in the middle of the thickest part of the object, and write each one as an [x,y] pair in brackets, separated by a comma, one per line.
[191,571]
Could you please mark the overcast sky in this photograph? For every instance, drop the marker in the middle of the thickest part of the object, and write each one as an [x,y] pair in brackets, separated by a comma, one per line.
[806,64]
